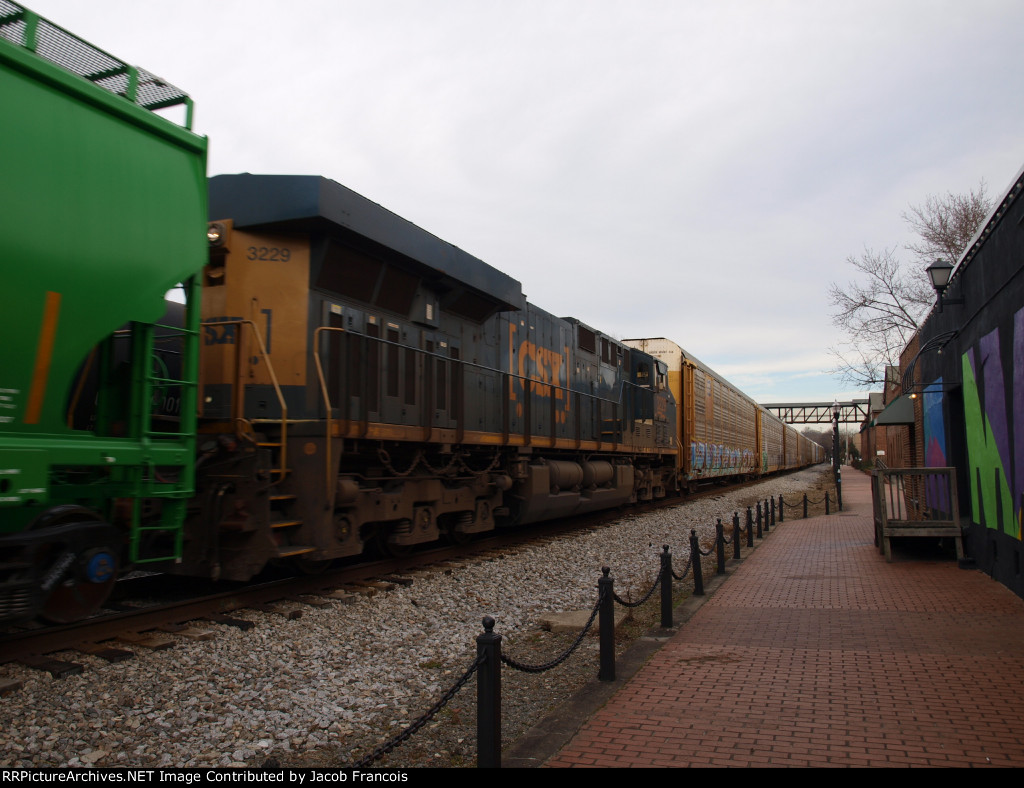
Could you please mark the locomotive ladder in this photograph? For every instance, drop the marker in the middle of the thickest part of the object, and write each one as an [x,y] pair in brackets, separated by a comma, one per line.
[274,438]
[283,525]
[275,431]
[166,473]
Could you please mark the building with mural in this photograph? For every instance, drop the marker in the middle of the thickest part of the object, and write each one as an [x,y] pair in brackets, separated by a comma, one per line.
[963,382]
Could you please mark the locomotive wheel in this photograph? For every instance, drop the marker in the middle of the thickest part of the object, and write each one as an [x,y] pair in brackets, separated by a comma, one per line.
[388,548]
[87,582]
[311,566]
[457,538]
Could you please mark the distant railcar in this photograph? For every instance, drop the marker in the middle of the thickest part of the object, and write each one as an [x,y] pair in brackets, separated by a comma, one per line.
[773,453]
[722,432]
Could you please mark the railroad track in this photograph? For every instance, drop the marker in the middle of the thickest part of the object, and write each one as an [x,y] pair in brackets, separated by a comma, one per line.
[139,616]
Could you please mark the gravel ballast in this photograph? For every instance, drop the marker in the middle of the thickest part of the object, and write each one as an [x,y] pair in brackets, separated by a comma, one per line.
[327,688]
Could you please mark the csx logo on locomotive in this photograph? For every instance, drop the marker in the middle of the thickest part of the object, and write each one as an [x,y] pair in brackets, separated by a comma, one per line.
[221,334]
[543,372]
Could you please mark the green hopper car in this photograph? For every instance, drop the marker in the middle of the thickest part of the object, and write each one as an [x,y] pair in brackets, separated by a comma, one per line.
[104,212]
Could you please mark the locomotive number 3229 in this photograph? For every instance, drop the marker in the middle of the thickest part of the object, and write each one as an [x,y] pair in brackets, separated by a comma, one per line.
[272,254]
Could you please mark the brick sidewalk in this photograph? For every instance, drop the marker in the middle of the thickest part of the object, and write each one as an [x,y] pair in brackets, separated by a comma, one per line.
[816,652]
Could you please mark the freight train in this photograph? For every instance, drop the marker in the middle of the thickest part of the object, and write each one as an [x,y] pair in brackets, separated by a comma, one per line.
[326,379]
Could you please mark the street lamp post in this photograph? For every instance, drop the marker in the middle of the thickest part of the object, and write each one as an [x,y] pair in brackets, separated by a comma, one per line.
[835,454]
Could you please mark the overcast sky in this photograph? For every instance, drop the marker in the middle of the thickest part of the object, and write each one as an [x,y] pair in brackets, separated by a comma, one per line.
[694,170]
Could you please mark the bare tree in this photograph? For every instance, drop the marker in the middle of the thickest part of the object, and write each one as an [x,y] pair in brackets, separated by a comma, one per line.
[879,313]
[880,310]
[947,224]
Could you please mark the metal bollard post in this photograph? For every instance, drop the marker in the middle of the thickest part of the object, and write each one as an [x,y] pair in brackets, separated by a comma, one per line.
[720,547]
[773,508]
[606,622]
[488,698]
[839,488]
[826,502]
[750,529]
[666,588]
[698,576]
[736,535]
[767,523]
[805,506]
[759,518]
[782,510]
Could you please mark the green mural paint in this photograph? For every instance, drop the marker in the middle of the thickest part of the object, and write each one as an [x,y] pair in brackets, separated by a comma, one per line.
[983,455]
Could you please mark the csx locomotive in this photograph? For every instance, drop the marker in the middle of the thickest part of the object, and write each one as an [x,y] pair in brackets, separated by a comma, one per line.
[327,377]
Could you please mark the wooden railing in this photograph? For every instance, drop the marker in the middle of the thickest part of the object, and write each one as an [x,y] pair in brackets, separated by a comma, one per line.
[915,502]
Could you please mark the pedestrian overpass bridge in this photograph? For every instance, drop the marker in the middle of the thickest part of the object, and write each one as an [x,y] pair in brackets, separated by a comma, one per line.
[852,412]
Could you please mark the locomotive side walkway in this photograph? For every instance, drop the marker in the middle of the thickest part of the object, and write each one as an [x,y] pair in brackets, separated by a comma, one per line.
[813,651]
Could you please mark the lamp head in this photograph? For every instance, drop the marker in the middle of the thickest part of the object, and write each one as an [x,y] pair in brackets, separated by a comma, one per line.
[939,272]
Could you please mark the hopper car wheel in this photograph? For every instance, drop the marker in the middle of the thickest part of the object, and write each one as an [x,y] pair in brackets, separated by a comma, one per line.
[79,597]
[87,582]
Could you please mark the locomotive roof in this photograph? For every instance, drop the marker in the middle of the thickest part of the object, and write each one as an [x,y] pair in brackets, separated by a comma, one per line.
[307,203]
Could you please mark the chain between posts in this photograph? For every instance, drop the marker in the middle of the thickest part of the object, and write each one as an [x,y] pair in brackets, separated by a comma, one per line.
[565,655]
[638,603]
[828,500]
[404,736]
[689,565]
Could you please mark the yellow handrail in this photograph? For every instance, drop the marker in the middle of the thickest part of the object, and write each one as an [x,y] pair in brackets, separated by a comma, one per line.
[327,402]
[238,405]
